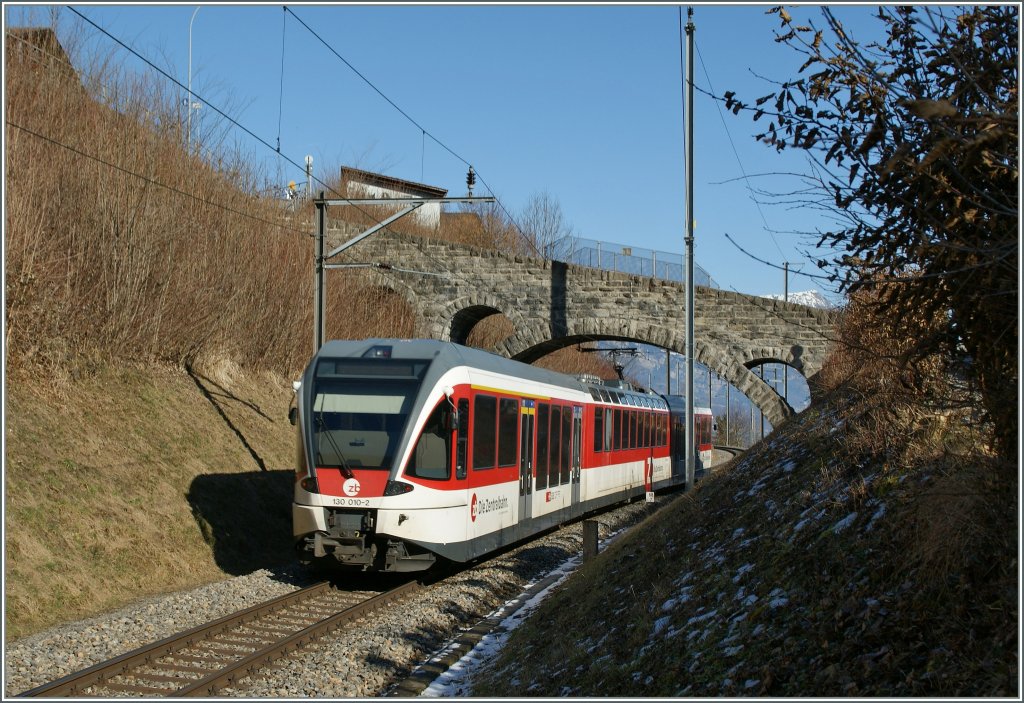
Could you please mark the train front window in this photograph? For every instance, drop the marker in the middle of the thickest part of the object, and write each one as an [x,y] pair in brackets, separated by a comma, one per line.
[431,456]
[360,408]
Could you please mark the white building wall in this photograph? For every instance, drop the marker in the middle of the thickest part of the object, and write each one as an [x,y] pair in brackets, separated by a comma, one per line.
[428,215]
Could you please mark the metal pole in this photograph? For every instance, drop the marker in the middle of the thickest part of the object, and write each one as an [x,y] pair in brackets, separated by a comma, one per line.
[319,281]
[688,126]
[785,293]
[309,176]
[188,128]
[728,412]
[759,410]
[750,439]
[668,372]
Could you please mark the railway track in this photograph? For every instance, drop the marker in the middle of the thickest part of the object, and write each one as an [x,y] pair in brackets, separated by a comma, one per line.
[207,658]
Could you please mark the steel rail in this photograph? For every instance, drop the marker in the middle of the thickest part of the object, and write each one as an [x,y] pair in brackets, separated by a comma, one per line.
[99,674]
[252,663]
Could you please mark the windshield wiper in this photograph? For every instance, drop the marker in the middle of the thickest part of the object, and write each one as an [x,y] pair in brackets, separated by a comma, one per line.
[345,470]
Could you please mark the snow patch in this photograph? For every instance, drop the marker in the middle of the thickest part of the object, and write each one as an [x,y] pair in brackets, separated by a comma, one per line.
[844,523]
[742,570]
[661,623]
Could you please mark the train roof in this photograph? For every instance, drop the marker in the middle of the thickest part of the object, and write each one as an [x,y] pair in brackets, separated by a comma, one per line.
[677,403]
[451,355]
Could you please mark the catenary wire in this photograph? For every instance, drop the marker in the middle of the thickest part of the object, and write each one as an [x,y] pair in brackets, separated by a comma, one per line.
[280,92]
[152,181]
[179,84]
[214,107]
[423,130]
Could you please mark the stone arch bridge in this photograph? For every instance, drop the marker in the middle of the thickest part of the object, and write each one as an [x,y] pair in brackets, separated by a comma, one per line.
[553,305]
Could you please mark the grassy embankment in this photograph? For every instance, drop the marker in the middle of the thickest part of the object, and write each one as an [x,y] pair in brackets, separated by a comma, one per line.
[868,547]
[133,480]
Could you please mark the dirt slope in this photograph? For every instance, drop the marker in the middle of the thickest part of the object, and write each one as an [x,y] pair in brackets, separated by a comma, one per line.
[789,573]
[133,480]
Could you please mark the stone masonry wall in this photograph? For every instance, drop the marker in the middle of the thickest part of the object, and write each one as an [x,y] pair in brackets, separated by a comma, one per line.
[552,305]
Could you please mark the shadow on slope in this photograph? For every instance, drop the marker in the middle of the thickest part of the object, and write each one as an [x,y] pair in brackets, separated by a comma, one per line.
[245,518]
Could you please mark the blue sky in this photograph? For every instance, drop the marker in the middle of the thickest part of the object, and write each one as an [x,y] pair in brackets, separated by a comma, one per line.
[583,102]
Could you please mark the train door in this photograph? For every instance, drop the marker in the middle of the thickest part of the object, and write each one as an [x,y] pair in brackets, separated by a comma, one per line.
[577,444]
[526,459]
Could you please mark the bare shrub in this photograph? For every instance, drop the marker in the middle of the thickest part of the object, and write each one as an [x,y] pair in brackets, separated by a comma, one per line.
[490,332]
[119,240]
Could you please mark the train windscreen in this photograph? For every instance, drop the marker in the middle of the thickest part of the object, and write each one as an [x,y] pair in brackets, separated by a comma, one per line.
[360,408]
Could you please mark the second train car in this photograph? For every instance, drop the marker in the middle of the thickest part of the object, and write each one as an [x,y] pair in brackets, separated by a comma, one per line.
[414,450]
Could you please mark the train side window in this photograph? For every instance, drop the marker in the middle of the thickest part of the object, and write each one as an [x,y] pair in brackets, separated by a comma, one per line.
[462,441]
[598,429]
[608,428]
[632,429]
[508,431]
[555,444]
[430,457]
[543,410]
[485,419]
[617,430]
[566,444]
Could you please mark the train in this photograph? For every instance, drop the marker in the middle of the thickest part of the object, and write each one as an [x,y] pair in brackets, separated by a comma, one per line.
[414,452]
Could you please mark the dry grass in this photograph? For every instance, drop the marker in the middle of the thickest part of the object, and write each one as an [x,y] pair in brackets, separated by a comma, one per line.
[109,486]
[778,578]
[868,547]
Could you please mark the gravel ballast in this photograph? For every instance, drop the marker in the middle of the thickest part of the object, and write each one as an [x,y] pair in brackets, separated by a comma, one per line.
[362,660]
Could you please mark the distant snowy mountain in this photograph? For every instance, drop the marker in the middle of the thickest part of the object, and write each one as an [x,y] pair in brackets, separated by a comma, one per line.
[810,298]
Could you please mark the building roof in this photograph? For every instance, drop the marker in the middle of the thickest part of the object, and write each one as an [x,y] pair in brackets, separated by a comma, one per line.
[378,179]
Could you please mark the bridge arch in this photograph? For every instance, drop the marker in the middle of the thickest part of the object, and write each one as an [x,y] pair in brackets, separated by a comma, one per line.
[524,346]
[552,304]
[458,317]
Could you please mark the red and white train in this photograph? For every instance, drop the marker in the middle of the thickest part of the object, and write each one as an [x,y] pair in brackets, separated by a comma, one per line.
[414,450]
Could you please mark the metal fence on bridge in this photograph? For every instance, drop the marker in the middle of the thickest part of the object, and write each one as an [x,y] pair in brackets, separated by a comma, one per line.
[626,259]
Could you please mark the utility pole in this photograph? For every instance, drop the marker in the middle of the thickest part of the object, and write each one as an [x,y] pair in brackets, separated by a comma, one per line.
[321,259]
[319,298]
[188,128]
[785,294]
[759,410]
[668,372]
[728,411]
[309,178]
[688,128]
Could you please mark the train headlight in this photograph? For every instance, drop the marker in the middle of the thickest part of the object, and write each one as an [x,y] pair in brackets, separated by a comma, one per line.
[309,485]
[396,488]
